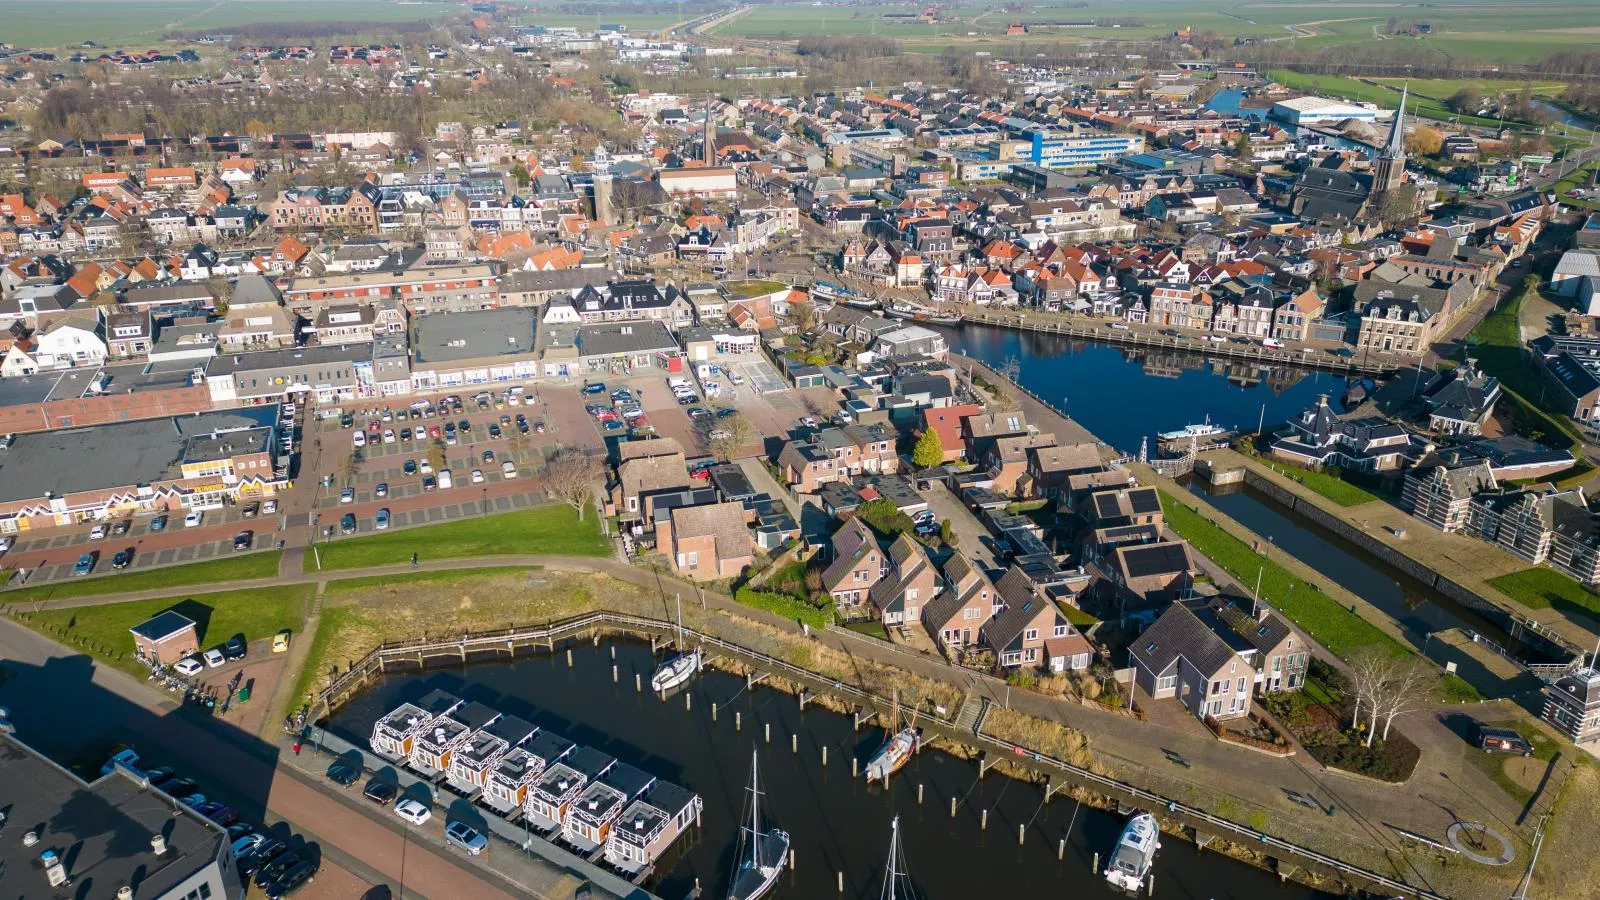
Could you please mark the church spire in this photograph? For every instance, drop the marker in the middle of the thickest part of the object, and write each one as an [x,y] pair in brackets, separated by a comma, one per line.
[1395,147]
[708,149]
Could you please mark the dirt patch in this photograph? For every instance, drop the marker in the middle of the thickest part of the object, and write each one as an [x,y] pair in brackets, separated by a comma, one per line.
[1568,866]
[1525,771]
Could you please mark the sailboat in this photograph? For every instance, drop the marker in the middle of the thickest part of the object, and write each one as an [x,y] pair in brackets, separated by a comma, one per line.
[677,669]
[896,884]
[761,853]
[897,749]
[1135,853]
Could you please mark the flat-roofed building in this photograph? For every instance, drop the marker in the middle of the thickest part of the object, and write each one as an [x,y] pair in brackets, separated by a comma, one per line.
[478,347]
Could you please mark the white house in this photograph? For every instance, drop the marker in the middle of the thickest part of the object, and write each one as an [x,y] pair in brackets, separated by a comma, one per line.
[72,340]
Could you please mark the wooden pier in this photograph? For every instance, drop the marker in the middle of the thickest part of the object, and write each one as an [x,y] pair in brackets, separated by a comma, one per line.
[1057,775]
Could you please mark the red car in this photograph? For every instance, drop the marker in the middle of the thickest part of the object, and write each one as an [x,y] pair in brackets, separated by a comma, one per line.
[374,427]
[433,431]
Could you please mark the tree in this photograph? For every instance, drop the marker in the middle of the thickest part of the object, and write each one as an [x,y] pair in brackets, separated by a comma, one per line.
[221,293]
[1424,140]
[929,451]
[521,174]
[351,466]
[436,454]
[1467,101]
[1404,692]
[729,436]
[570,478]
[1369,671]
[803,316]
[1241,146]
[885,518]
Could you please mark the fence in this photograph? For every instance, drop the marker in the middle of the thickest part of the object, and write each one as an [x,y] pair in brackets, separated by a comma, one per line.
[507,640]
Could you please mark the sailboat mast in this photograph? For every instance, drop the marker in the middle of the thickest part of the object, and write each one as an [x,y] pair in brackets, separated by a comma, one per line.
[680,622]
[755,812]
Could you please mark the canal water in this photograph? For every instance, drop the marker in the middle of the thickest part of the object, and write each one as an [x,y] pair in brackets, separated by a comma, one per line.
[837,823]
[1123,395]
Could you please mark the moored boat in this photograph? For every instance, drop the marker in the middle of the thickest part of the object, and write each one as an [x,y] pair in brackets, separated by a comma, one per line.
[1197,432]
[761,853]
[898,747]
[1135,853]
[677,669]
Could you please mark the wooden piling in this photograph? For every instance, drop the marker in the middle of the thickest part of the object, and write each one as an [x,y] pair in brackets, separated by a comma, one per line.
[614,673]
[713,712]
[738,721]
[1061,850]
[1150,886]
[767,731]
[1022,830]
[855,766]
[638,682]
[919,795]
[794,743]
[841,882]
[791,859]
[952,807]
[1095,866]
[688,701]
[824,756]
[613,651]
[983,821]
[569,658]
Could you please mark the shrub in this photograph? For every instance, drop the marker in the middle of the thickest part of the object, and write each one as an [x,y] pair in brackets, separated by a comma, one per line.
[816,615]
[885,518]
[947,534]
[1022,678]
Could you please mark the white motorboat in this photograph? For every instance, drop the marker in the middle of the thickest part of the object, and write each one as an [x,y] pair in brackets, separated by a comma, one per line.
[1135,853]
[1196,432]
[761,853]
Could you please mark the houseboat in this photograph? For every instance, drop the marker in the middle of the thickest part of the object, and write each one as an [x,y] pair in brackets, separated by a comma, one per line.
[513,776]
[430,758]
[1135,853]
[591,817]
[555,790]
[471,766]
[649,825]
[395,735]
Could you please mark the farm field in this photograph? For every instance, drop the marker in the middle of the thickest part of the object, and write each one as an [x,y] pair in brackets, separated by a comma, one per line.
[125,23]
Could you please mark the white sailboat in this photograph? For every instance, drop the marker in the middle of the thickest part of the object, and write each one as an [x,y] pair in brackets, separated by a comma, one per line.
[897,749]
[761,853]
[1135,853]
[678,668]
[896,884]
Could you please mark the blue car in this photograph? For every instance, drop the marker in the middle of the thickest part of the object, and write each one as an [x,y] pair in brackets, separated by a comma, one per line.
[596,388]
[85,564]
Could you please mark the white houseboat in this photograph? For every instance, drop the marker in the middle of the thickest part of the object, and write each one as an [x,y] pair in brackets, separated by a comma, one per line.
[471,766]
[395,735]
[589,819]
[554,791]
[649,825]
[513,776]
[430,758]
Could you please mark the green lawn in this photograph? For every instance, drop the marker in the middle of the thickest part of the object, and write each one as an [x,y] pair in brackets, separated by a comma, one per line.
[263,564]
[1320,616]
[347,585]
[742,289]
[1329,485]
[553,530]
[1545,588]
[102,631]
[139,23]
[1496,343]
[330,623]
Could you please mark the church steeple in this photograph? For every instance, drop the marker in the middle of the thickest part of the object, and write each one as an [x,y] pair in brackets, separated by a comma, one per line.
[1395,147]
[708,149]
[1389,169]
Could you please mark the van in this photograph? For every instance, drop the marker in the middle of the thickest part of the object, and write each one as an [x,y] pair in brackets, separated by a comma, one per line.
[1120,326]
[1272,343]
[445,480]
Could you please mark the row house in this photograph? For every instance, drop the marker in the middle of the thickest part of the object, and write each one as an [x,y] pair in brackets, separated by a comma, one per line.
[910,582]
[1292,321]
[620,301]
[1031,632]
[955,618]
[1441,493]
[1554,527]
[837,454]
[858,563]
[1248,315]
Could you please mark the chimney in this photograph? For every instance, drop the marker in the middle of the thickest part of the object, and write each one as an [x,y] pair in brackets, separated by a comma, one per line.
[158,844]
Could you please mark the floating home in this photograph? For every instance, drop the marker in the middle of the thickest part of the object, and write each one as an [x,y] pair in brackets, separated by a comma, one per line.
[509,783]
[589,818]
[395,735]
[649,825]
[561,784]
[430,757]
[471,766]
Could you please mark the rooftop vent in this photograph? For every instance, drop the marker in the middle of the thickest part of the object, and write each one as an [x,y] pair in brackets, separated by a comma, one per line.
[158,844]
[30,839]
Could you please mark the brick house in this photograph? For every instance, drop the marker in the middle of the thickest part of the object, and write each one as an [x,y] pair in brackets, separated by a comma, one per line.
[1049,468]
[1031,631]
[945,421]
[166,638]
[836,454]
[1149,576]
[708,542]
[1572,704]
[858,563]
[955,618]
[1440,493]
[910,583]
[1213,657]
[1006,461]
[641,478]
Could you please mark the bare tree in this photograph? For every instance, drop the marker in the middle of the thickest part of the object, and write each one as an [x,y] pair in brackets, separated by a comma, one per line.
[1404,692]
[570,478]
[352,466]
[1369,671]
[436,454]
[803,316]
[729,436]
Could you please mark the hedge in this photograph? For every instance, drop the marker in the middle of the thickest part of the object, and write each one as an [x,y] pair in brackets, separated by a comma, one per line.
[787,606]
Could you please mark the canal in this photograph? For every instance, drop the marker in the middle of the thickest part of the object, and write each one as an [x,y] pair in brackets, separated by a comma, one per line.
[1123,395]
[837,823]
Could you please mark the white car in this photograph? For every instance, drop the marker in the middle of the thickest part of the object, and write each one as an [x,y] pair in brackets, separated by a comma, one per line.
[360,439]
[194,518]
[388,435]
[348,495]
[188,666]
[269,507]
[508,469]
[477,476]
[412,811]
[214,658]
[97,533]
[6,542]
[425,467]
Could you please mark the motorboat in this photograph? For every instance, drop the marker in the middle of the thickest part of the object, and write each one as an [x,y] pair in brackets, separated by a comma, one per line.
[1135,853]
[1194,432]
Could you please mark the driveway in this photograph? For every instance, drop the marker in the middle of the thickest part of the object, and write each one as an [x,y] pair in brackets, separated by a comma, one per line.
[972,539]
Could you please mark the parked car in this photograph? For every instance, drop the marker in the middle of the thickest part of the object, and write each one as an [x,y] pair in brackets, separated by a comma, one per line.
[1502,740]
[121,528]
[381,520]
[159,523]
[494,430]
[413,811]
[343,774]
[246,845]
[249,510]
[410,468]
[98,532]
[259,858]
[235,648]
[218,813]
[280,641]
[268,874]
[347,524]
[189,666]
[122,559]
[488,456]
[194,518]
[466,837]
[428,483]
[594,388]
[241,541]
[84,565]
[508,469]
[348,495]
[381,489]
[214,658]
[381,792]
[292,880]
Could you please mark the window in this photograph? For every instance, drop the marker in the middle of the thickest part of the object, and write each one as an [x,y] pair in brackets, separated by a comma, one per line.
[1061,631]
[1241,685]
[1218,687]
[1216,707]
[971,613]
[1166,682]
[1032,634]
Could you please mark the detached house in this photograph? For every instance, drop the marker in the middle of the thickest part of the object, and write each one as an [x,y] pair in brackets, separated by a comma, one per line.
[1149,576]
[1210,659]
[708,542]
[1318,437]
[910,583]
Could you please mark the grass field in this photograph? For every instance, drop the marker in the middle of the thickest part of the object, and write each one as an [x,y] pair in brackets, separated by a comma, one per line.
[229,568]
[1323,618]
[1328,485]
[551,530]
[1544,588]
[123,23]
[102,631]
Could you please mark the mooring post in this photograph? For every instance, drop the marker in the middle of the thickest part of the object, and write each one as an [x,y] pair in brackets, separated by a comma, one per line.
[919,794]
[791,860]
[1021,831]
[569,657]
[803,709]
[767,730]
[824,756]
[841,882]
[1061,850]
[794,743]
[638,683]
[688,701]
[614,673]
[952,807]
[613,651]
[1096,864]
[983,821]
[697,818]
[738,721]
[713,712]
[855,766]
[1150,887]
